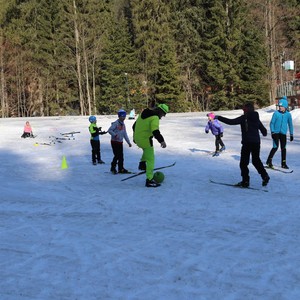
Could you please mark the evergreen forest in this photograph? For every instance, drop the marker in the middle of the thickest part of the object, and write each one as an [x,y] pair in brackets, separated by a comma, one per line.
[83,57]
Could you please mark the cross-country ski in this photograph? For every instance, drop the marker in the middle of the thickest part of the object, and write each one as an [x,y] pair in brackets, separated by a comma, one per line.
[143,172]
[237,186]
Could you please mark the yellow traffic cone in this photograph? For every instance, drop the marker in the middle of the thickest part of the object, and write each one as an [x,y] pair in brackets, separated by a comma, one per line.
[64,164]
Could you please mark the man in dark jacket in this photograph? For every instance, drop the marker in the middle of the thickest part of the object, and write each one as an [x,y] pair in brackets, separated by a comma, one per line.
[250,127]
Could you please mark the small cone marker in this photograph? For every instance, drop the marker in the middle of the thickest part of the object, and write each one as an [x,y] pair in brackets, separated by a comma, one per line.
[64,164]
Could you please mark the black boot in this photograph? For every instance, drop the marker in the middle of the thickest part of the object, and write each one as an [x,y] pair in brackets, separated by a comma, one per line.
[113,169]
[269,162]
[142,166]
[266,180]
[151,183]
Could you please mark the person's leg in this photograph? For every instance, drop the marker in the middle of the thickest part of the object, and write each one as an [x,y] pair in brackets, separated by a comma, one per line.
[217,142]
[273,150]
[256,161]
[120,156]
[148,157]
[93,151]
[115,158]
[282,140]
[244,162]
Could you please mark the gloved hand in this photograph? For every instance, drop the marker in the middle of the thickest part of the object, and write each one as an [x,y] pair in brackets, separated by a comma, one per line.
[291,137]
[273,135]
[221,134]
[206,131]
[216,117]
[163,144]
[102,132]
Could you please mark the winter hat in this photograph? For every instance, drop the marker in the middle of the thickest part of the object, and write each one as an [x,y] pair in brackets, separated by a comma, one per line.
[211,116]
[283,102]
[164,108]
[122,113]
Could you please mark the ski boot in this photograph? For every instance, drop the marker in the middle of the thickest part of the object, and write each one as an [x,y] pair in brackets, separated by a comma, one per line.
[243,184]
[266,180]
[151,183]
[284,165]
[269,163]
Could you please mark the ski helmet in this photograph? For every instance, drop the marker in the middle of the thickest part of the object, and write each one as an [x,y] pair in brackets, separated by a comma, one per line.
[92,119]
[159,177]
[164,108]
[122,113]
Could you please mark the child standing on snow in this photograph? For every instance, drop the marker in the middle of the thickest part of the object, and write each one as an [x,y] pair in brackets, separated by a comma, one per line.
[118,132]
[217,130]
[95,140]
[27,131]
[280,122]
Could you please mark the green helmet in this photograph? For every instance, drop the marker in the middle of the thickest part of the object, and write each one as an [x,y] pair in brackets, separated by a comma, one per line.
[164,108]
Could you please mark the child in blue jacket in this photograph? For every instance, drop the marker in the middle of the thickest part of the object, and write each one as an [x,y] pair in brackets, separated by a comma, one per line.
[280,122]
[217,130]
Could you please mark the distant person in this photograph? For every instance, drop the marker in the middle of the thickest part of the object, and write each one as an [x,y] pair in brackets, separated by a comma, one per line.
[250,127]
[27,132]
[217,130]
[118,132]
[132,114]
[144,129]
[280,122]
[95,140]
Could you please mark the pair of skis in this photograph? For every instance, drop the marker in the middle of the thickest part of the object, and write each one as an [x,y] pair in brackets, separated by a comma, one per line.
[143,172]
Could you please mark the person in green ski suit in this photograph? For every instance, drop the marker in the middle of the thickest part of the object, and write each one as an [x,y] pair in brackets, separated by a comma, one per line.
[144,129]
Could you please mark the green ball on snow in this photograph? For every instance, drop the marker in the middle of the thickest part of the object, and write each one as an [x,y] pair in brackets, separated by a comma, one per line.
[159,177]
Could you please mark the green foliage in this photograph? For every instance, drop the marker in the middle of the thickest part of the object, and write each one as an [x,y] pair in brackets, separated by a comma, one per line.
[82,56]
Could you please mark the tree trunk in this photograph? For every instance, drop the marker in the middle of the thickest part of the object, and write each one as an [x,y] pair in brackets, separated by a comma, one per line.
[78,59]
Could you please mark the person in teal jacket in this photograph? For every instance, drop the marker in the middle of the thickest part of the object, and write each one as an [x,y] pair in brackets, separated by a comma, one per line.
[144,129]
[281,121]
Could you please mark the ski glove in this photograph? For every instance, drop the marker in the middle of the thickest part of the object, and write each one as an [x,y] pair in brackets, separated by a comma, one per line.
[163,144]
[206,131]
[291,137]
[216,117]
[274,135]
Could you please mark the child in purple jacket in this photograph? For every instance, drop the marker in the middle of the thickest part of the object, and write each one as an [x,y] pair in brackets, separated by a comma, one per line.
[217,130]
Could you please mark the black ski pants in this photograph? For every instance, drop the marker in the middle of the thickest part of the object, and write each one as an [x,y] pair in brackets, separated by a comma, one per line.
[218,141]
[278,138]
[95,151]
[117,148]
[252,149]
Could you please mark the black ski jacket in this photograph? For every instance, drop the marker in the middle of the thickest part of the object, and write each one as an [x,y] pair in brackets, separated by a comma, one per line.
[250,126]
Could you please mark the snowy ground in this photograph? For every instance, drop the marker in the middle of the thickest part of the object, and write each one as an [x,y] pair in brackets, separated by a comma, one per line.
[81,233]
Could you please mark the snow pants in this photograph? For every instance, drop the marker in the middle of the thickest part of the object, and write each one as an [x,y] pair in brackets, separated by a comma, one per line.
[278,138]
[149,158]
[252,149]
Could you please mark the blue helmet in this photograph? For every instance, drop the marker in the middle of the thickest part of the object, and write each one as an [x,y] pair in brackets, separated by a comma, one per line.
[283,102]
[92,119]
[121,113]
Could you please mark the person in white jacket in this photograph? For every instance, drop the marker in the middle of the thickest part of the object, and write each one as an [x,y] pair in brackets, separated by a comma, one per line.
[118,132]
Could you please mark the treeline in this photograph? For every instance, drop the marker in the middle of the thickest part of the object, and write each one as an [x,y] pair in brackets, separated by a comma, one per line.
[63,57]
